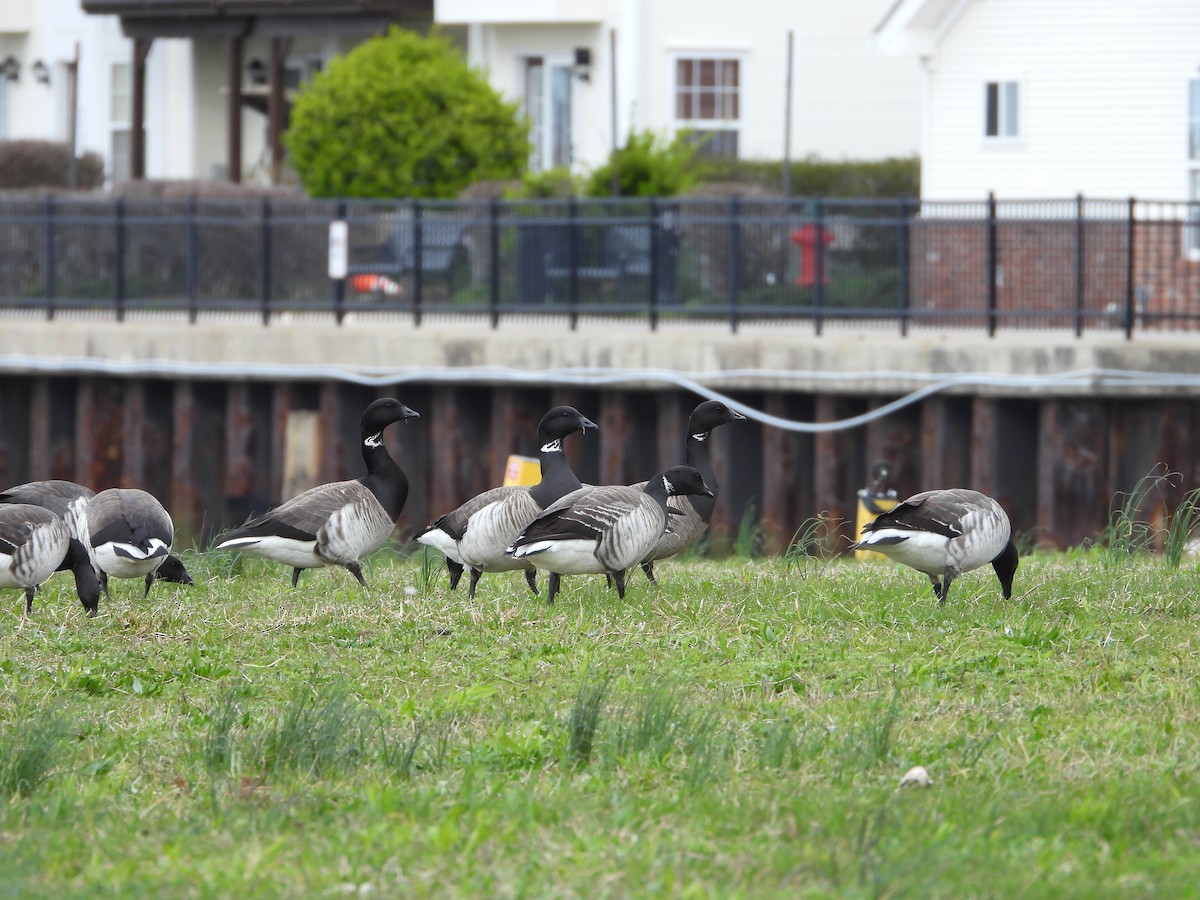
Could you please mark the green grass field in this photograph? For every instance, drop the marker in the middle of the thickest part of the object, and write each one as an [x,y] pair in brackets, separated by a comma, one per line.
[741,730]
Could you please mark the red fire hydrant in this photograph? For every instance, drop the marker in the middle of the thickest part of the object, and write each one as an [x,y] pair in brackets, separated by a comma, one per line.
[805,237]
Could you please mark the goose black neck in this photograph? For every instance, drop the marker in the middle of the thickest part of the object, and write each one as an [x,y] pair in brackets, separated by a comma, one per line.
[656,488]
[384,477]
[558,478]
[698,457]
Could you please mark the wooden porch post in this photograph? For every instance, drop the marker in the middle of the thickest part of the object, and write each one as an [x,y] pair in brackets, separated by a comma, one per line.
[137,137]
[234,112]
[276,105]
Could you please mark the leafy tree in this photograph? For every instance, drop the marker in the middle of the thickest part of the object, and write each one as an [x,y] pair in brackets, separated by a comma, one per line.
[647,166]
[403,116]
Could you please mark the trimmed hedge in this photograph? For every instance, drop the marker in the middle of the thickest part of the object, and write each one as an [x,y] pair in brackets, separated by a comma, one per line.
[33,164]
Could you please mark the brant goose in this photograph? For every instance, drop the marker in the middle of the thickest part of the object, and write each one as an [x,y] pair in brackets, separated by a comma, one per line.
[604,529]
[129,534]
[477,534]
[943,534]
[34,542]
[69,500]
[690,515]
[339,523]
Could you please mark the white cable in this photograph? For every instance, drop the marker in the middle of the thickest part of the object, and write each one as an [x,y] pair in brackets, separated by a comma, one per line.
[592,378]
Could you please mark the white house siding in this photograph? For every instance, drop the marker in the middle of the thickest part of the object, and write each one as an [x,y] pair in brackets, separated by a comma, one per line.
[849,101]
[1103,97]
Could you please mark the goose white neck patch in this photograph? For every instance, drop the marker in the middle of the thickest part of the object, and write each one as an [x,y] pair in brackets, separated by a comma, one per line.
[701,437]
[375,440]
[667,484]
[555,446]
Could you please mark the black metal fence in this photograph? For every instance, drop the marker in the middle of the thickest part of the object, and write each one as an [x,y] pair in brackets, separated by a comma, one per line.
[1072,264]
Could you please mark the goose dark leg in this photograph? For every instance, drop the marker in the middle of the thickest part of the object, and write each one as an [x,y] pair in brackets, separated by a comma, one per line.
[648,568]
[531,580]
[619,578]
[475,573]
[608,582]
[356,570]
[552,587]
[149,581]
[945,589]
[29,591]
[295,576]
[937,587]
[456,572]
[103,579]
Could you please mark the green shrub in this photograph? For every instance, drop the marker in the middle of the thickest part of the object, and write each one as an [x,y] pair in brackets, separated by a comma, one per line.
[403,116]
[29,164]
[647,166]
[813,177]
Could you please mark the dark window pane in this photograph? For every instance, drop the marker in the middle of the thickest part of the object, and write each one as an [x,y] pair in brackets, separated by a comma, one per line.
[708,73]
[992,116]
[708,106]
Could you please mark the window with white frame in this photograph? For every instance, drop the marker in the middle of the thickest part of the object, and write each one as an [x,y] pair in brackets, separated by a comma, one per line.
[1191,231]
[120,118]
[1001,103]
[708,102]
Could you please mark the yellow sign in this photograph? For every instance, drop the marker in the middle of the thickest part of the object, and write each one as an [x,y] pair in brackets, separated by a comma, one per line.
[522,470]
[869,508]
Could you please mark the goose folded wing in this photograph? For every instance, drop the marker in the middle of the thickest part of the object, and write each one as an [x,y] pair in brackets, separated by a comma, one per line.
[456,522]
[917,514]
[305,514]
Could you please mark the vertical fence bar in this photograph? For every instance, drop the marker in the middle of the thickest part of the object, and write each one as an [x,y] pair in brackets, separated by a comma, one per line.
[50,261]
[418,263]
[1129,267]
[902,241]
[264,261]
[339,284]
[1080,251]
[818,265]
[655,262]
[992,263]
[192,262]
[573,262]
[120,259]
[494,260]
[735,261]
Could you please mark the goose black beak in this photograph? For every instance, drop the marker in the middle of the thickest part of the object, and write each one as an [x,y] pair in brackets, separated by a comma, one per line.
[586,423]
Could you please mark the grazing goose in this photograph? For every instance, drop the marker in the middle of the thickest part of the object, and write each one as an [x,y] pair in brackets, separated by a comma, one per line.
[477,534]
[946,533]
[339,523]
[690,515]
[69,500]
[34,542]
[605,529]
[129,533]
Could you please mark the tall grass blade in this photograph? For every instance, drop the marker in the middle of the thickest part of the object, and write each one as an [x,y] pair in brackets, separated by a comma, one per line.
[30,752]
[1185,522]
[584,721]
